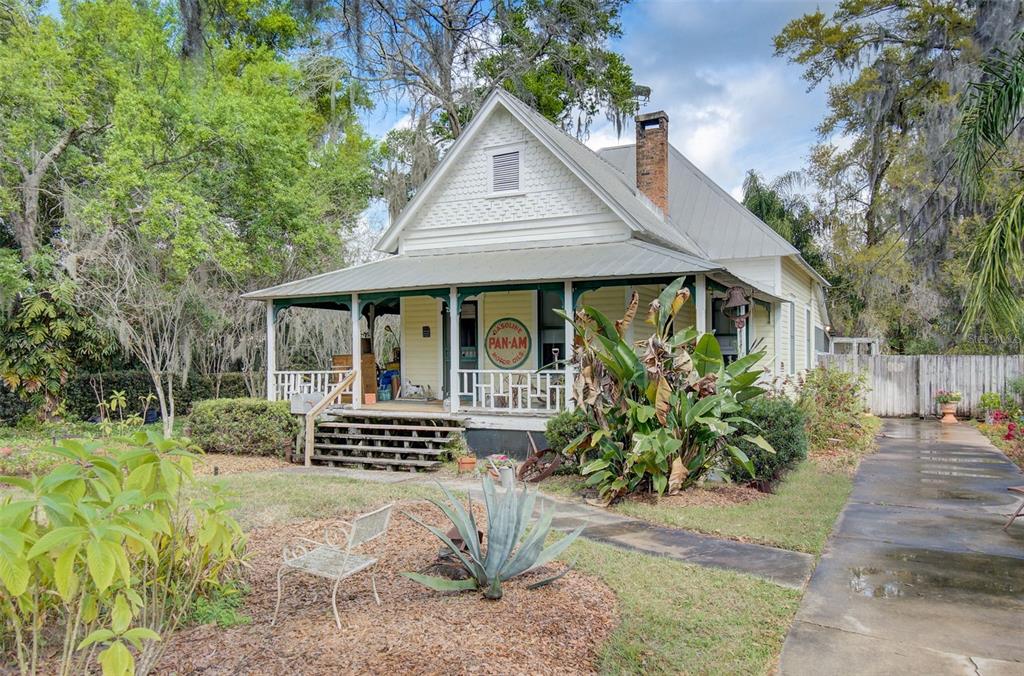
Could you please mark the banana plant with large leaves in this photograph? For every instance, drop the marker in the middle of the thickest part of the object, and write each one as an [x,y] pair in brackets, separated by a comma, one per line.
[662,412]
[515,542]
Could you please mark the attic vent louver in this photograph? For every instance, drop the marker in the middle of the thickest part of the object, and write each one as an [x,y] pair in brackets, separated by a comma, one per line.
[505,168]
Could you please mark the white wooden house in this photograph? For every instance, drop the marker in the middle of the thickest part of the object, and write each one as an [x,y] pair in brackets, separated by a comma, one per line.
[519,219]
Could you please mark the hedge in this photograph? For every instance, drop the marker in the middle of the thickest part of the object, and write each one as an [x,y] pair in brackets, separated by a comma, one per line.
[80,394]
[781,423]
[12,407]
[243,426]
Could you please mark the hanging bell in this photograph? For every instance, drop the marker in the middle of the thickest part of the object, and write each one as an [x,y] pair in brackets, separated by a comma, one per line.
[735,306]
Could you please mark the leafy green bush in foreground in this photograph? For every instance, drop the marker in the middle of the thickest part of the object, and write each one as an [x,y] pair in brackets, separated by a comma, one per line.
[105,555]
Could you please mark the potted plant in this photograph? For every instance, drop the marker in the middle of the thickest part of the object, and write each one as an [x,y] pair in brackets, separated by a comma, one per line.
[502,468]
[461,453]
[948,400]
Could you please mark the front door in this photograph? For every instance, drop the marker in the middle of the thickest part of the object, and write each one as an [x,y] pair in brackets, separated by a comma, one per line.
[469,354]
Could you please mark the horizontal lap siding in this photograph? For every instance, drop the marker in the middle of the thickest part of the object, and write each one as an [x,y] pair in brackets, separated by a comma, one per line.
[421,357]
[796,287]
[763,334]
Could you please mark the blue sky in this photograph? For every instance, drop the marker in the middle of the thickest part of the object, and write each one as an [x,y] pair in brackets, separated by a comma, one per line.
[732,105]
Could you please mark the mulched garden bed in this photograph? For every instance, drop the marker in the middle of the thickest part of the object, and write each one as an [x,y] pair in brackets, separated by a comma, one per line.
[705,496]
[554,629]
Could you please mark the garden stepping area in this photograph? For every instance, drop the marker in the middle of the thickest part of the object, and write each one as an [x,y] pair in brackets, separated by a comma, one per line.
[781,566]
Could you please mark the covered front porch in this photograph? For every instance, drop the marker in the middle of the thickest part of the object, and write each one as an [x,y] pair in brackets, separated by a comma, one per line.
[488,345]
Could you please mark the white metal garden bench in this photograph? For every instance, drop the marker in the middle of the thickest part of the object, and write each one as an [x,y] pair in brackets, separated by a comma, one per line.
[334,558]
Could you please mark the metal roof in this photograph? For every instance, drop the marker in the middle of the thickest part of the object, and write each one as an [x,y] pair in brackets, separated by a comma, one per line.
[630,258]
[586,162]
[698,206]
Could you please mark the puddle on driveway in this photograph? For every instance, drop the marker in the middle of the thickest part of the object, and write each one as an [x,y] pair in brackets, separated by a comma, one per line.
[923,573]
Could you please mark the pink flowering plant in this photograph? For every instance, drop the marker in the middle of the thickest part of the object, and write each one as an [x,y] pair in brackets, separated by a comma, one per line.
[948,396]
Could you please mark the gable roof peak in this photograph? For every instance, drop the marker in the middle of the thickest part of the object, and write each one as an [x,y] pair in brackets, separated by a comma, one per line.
[606,182]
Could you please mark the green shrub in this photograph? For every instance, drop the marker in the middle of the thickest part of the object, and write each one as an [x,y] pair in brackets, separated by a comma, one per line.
[1015,389]
[561,431]
[833,402]
[82,393]
[565,428]
[12,407]
[781,423]
[243,426]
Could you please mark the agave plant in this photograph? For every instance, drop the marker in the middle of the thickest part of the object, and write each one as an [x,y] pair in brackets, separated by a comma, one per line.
[513,547]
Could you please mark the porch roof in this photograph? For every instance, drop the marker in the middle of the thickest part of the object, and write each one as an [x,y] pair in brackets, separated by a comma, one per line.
[630,258]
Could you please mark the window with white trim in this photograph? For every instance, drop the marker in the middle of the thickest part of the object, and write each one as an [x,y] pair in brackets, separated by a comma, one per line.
[505,171]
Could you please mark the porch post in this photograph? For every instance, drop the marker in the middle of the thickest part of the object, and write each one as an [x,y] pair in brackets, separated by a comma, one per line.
[700,292]
[453,349]
[357,356]
[570,311]
[777,329]
[271,353]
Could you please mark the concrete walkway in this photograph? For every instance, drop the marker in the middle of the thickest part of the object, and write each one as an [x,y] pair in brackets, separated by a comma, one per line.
[919,577]
[783,567]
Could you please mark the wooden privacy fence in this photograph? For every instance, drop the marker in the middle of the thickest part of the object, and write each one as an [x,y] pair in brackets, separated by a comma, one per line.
[906,385]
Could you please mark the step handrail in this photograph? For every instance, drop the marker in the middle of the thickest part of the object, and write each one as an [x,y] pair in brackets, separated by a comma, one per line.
[334,396]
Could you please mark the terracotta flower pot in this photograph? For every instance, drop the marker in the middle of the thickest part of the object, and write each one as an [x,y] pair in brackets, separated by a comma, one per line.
[369,399]
[467,463]
[949,413]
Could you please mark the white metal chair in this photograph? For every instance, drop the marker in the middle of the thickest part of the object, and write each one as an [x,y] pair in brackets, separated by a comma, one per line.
[333,558]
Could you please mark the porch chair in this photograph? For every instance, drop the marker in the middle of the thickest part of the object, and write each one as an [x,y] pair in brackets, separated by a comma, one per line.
[334,558]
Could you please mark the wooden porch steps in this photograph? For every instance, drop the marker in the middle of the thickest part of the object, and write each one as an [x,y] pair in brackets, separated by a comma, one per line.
[410,441]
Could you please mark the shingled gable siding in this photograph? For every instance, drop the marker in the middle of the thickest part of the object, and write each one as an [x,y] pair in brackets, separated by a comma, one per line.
[552,205]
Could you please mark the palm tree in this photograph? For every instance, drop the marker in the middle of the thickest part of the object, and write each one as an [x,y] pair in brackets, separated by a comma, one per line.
[993,109]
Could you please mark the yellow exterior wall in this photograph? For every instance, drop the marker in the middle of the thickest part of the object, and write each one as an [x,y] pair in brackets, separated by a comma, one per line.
[421,357]
[762,334]
[686,318]
[796,287]
[521,305]
[610,300]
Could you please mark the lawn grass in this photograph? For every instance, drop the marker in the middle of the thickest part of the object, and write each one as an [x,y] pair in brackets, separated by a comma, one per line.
[679,618]
[799,516]
[27,443]
[268,498]
[674,617]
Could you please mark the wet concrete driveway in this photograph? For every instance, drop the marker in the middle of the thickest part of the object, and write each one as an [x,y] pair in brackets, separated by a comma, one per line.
[919,577]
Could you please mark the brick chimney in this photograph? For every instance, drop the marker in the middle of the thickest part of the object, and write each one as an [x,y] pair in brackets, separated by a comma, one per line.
[652,157]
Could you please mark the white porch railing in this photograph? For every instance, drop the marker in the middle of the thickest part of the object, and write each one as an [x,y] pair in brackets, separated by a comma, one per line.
[512,391]
[289,383]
